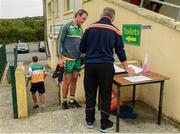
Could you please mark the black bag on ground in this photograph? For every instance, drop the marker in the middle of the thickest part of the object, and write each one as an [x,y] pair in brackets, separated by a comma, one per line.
[126,111]
[58,73]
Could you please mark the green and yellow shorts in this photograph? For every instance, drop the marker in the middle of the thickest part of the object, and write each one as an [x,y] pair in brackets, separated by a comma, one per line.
[72,65]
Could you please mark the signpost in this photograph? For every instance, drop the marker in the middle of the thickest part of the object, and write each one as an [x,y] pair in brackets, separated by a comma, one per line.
[132,34]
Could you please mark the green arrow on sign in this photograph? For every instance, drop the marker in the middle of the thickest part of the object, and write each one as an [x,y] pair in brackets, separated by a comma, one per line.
[129,38]
[131,34]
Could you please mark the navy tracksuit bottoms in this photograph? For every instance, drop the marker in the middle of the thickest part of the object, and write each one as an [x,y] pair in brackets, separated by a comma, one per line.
[98,76]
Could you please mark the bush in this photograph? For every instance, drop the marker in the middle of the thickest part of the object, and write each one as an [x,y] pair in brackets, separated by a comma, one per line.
[28,29]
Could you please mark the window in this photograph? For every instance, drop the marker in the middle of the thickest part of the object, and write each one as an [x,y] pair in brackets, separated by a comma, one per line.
[69,5]
[49,10]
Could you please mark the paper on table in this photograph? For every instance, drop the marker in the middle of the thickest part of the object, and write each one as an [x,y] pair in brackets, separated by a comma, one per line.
[136,69]
[137,78]
[118,69]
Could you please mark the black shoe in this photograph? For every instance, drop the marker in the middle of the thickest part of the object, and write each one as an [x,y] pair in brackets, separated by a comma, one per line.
[65,105]
[105,127]
[74,104]
[90,125]
[36,106]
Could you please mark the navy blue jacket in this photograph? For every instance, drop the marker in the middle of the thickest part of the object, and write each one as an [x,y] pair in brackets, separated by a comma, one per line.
[99,42]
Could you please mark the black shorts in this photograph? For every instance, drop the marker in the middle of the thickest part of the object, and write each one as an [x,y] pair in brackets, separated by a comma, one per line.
[39,86]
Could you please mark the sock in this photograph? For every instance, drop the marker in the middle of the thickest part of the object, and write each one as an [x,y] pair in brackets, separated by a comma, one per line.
[64,99]
[43,106]
[35,104]
[71,98]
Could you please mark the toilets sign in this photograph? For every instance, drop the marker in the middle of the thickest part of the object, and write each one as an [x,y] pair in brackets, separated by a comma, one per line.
[131,34]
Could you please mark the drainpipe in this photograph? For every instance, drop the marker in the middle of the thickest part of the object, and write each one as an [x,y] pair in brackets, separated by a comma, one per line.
[53,58]
[45,28]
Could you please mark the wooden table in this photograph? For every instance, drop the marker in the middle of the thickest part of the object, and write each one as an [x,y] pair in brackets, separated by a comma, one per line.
[119,81]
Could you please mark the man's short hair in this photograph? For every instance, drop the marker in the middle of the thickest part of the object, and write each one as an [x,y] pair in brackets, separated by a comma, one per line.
[34,58]
[108,11]
[80,12]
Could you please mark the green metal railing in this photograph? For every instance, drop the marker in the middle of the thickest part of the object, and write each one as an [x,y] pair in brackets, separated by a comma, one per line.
[12,69]
[13,88]
[3,59]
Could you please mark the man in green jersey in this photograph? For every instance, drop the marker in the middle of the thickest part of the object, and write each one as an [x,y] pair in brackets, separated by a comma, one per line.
[68,42]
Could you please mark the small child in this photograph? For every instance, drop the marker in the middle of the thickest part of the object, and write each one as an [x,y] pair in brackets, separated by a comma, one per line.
[37,76]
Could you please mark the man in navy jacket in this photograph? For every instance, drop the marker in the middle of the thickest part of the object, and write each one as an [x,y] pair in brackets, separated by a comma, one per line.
[98,44]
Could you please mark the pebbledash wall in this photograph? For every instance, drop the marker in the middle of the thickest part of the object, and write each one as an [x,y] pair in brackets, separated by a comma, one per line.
[161,42]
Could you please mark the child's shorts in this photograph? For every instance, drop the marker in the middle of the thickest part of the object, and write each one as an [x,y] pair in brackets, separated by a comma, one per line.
[39,86]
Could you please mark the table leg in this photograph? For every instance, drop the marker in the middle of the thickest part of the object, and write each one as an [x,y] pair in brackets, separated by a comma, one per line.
[134,95]
[118,108]
[160,102]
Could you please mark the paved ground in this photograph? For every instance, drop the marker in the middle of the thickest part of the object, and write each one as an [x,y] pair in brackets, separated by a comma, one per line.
[24,57]
[51,96]
[52,119]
